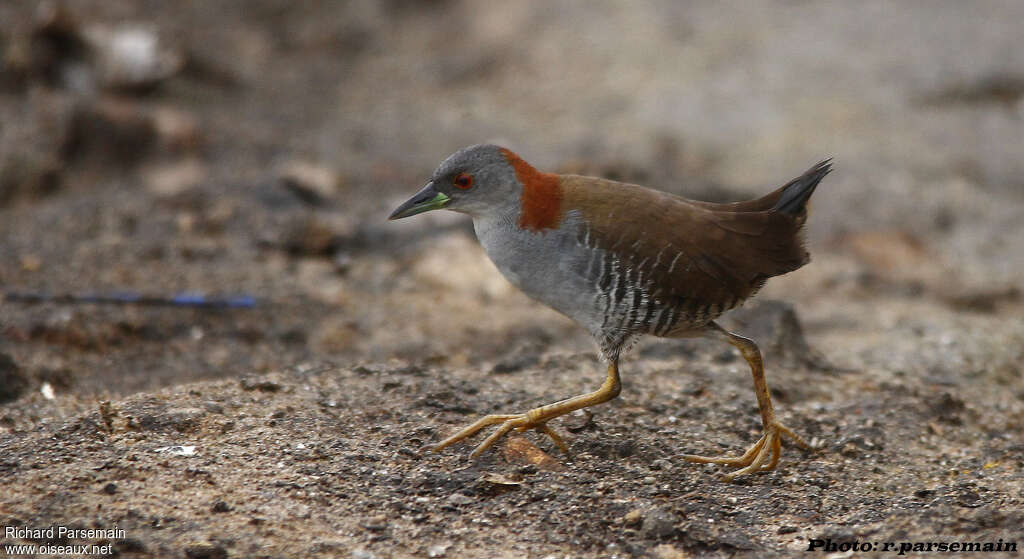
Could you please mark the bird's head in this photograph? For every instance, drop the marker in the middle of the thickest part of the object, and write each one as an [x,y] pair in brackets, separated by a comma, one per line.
[485,181]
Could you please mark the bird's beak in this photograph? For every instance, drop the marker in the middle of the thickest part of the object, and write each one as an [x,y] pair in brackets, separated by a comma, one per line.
[423,201]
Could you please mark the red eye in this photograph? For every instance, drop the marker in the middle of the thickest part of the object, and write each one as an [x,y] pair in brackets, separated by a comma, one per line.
[463,181]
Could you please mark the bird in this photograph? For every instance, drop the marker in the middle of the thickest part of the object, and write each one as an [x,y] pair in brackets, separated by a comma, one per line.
[623,261]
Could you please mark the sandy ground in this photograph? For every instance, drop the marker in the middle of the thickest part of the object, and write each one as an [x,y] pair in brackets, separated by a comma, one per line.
[257,147]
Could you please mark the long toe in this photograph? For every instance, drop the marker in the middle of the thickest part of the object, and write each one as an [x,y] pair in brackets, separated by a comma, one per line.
[508,422]
[744,460]
[769,447]
[499,433]
[519,422]
[762,456]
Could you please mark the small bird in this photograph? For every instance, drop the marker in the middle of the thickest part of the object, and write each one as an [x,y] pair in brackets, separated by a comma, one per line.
[622,261]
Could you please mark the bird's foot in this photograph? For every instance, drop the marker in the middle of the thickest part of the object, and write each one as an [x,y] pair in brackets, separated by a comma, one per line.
[519,422]
[753,460]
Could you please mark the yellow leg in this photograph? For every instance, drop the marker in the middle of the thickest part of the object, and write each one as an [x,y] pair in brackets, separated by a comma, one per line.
[537,418]
[770,443]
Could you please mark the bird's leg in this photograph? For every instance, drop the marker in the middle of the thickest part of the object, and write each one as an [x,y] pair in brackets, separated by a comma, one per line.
[537,418]
[769,446]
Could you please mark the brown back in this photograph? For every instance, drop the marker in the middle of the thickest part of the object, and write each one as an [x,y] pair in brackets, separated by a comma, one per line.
[699,257]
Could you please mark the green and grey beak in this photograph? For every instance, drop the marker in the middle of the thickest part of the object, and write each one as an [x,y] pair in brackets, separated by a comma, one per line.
[423,201]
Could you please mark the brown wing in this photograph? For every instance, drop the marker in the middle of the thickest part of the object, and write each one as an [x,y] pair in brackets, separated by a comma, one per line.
[701,258]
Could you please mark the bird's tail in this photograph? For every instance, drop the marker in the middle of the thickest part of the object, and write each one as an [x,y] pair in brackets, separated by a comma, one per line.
[796,193]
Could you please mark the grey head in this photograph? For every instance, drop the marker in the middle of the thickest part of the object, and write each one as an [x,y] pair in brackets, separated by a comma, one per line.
[476,180]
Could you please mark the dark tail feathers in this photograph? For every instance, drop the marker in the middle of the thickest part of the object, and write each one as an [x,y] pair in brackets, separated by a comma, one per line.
[799,190]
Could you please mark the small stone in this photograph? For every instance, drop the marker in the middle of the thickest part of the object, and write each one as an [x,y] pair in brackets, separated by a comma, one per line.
[661,464]
[787,529]
[376,523]
[184,420]
[363,554]
[327,547]
[659,523]
[578,421]
[459,499]
[110,488]
[131,56]
[206,551]
[220,506]
[666,551]
[169,180]
[438,550]
[503,480]
[633,517]
[310,182]
[260,384]
[511,364]
[970,499]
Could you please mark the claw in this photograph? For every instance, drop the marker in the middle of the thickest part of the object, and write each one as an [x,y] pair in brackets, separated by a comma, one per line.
[493,438]
[770,443]
[753,460]
[537,418]
[519,422]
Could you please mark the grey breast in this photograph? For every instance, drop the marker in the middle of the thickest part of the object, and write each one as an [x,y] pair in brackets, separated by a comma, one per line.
[549,266]
[608,292]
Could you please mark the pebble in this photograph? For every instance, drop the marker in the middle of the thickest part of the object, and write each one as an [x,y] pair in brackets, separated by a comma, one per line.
[458,499]
[659,523]
[666,551]
[220,506]
[633,517]
[661,464]
[438,550]
[313,183]
[376,523]
[206,551]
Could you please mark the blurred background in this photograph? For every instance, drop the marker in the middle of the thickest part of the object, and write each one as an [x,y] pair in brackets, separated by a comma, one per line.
[250,151]
[256,147]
